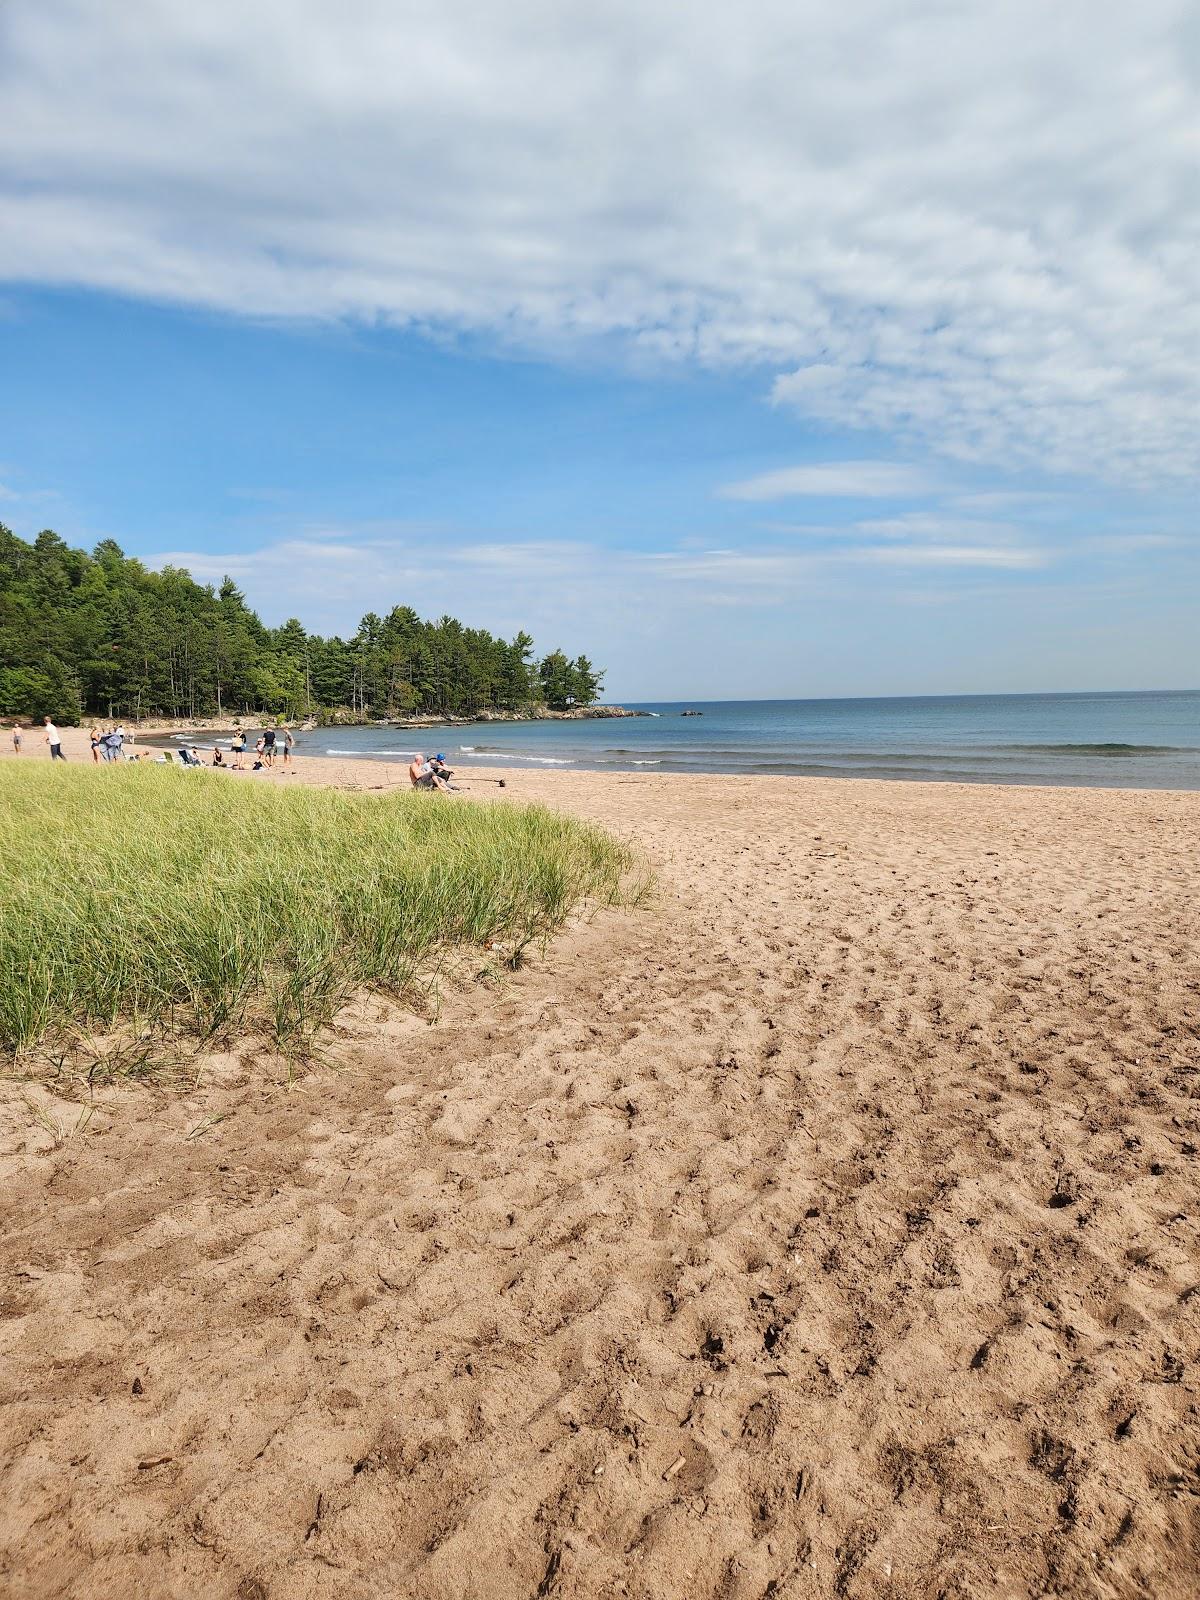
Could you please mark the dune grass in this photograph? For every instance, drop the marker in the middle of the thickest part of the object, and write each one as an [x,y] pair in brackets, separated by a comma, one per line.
[169,901]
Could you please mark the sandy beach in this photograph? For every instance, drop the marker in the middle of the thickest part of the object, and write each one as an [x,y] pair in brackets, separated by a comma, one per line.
[828,1227]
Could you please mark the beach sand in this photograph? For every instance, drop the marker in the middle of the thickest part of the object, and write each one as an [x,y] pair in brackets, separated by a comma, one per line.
[828,1227]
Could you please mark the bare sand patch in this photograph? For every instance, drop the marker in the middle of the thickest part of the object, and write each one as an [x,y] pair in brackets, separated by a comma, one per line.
[829,1228]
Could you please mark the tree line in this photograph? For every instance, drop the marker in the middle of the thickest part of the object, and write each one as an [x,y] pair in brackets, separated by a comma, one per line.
[101,635]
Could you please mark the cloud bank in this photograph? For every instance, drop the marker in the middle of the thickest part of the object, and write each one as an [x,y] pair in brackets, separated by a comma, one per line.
[974,228]
[816,615]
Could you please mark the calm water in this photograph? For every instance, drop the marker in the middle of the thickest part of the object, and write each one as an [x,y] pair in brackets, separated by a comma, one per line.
[1149,740]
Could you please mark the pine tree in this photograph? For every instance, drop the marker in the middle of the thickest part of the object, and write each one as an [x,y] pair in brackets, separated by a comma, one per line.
[100,635]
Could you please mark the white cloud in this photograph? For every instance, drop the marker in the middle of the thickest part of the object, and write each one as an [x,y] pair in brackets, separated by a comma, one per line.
[946,555]
[974,227]
[554,588]
[938,527]
[1030,502]
[865,480]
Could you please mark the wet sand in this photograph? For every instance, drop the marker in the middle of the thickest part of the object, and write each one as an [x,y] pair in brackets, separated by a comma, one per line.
[827,1228]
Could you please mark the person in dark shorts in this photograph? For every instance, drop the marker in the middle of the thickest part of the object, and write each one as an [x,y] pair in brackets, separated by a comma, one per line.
[440,770]
[54,740]
[268,746]
[237,748]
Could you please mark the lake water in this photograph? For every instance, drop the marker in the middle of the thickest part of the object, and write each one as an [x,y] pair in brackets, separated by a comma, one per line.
[1131,740]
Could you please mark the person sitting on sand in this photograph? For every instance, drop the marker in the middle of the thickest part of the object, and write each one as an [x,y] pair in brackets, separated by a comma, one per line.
[218,759]
[422,776]
[440,770]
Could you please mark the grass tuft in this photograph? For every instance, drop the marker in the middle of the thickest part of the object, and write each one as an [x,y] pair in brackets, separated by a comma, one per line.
[175,901]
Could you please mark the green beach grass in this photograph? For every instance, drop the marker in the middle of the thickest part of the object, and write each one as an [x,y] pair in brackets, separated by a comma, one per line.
[157,900]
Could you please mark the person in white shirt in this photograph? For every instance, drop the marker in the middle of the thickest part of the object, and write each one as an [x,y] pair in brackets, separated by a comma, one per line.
[54,740]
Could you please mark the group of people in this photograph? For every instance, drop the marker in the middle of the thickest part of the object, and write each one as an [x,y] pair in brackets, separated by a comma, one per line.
[108,744]
[54,739]
[430,772]
[272,742]
[111,744]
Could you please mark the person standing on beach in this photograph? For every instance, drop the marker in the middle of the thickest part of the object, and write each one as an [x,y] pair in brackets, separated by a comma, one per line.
[237,749]
[17,739]
[267,746]
[54,740]
[94,736]
[288,742]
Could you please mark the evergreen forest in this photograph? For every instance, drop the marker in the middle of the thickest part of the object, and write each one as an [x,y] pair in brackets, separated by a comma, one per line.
[101,635]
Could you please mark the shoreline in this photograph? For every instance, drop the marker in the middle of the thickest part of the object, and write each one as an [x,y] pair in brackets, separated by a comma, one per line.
[257,721]
[364,773]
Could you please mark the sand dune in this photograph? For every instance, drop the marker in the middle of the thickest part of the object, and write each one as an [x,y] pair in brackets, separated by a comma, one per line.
[828,1228]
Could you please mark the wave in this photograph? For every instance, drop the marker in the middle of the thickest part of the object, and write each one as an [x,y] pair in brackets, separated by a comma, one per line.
[487,752]
[656,763]
[517,755]
[755,757]
[484,755]
[1108,749]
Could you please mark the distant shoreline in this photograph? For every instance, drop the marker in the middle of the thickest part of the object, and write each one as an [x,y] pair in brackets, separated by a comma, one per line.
[250,720]
[1149,742]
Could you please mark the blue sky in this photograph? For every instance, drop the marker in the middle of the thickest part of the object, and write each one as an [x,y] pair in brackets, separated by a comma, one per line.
[753,362]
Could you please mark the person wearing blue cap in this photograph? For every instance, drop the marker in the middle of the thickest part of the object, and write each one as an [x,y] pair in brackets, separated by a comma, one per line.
[438,766]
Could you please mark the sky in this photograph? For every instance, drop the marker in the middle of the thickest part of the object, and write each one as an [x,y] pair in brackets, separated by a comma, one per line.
[780,349]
